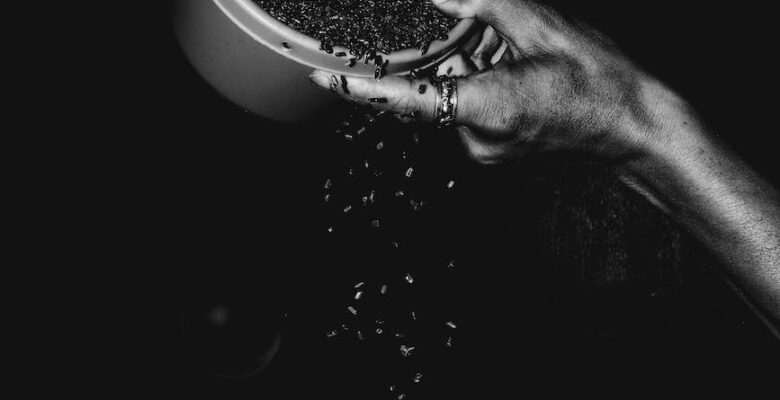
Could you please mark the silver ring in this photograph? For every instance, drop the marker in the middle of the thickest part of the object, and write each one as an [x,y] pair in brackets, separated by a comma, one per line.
[446,100]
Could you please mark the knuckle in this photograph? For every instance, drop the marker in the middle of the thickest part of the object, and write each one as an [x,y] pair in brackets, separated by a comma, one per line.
[404,104]
[478,57]
[357,87]
[476,156]
[481,157]
[479,152]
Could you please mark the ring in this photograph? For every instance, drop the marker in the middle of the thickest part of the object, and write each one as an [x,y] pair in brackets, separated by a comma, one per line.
[446,101]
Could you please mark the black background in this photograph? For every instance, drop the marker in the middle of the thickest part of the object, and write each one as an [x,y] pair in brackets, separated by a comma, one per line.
[156,194]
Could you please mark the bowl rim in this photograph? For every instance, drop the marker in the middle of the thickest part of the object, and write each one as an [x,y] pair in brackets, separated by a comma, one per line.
[259,24]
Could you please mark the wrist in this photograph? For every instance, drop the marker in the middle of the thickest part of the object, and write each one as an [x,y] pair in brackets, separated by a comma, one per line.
[710,191]
[668,146]
[663,128]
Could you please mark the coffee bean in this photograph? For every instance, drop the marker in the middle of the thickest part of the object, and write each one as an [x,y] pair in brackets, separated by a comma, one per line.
[364,27]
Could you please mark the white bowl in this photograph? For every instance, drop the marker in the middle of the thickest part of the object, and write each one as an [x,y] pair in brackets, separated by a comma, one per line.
[237,47]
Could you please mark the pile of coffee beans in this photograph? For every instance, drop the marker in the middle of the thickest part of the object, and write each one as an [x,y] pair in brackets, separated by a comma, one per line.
[365,27]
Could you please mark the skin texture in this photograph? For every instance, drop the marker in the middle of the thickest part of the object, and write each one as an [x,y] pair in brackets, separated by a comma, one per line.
[536,82]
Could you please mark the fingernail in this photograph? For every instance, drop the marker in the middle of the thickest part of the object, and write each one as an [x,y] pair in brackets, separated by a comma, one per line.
[320,80]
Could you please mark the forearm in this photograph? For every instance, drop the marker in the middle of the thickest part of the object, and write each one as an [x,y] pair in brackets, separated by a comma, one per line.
[710,191]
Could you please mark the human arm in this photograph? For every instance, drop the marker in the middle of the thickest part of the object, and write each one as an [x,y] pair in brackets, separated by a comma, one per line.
[561,86]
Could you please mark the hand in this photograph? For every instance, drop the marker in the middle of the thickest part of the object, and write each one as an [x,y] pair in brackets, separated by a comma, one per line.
[556,87]
[561,86]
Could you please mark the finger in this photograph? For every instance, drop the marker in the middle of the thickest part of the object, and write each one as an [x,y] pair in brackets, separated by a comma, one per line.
[478,150]
[526,26]
[470,45]
[486,150]
[500,53]
[456,65]
[392,93]
[459,8]
[488,11]
[460,63]
[487,47]
[402,95]
[405,118]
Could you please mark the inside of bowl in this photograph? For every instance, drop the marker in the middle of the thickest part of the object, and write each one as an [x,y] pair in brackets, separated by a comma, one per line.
[306,50]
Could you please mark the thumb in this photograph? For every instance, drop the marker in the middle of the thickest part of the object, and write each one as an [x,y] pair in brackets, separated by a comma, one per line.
[395,94]
[459,8]
[488,11]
